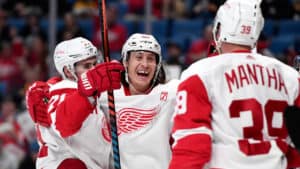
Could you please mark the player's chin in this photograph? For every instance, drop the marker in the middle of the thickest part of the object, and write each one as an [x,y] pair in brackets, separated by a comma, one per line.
[143,78]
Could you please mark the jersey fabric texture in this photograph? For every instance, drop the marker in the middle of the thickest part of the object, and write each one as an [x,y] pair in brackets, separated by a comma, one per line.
[144,128]
[229,114]
[71,124]
[52,147]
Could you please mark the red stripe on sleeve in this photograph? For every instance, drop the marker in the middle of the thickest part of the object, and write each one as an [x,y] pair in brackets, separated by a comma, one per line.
[71,113]
[192,151]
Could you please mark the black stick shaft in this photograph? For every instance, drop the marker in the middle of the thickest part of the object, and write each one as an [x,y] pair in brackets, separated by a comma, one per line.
[111,99]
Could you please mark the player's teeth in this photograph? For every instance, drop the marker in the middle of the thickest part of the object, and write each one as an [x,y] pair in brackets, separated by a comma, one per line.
[142,72]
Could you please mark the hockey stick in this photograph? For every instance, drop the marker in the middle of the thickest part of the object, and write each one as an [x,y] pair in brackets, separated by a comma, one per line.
[111,99]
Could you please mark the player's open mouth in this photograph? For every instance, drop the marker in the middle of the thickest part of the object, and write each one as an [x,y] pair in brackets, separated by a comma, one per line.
[142,73]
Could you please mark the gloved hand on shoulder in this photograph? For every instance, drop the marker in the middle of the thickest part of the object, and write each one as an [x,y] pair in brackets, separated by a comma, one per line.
[103,77]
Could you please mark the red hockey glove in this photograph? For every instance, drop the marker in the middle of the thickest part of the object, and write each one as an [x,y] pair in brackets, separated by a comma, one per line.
[37,97]
[103,77]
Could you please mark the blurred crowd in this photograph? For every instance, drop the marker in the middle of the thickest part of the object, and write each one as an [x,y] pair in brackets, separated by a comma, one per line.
[25,56]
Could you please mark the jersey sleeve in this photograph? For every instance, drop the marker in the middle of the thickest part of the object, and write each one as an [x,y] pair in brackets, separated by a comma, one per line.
[192,126]
[297,100]
[71,113]
[292,155]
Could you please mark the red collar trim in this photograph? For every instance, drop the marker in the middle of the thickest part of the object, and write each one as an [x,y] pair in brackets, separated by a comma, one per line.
[241,51]
[127,91]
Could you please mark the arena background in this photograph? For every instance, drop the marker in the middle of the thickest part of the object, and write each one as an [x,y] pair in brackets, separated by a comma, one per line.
[30,29]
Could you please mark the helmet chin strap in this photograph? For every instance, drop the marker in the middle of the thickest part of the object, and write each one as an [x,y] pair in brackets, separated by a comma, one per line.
[155,75]
[73,73]
[75,77]
[216,39]
[218,45]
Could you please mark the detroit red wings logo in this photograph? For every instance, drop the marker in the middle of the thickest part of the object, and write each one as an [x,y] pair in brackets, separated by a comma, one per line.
[164,96]
[130,120]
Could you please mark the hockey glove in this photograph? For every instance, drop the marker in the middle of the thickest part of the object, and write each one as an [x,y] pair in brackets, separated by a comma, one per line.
[103,77]
[292,117]
[37,97]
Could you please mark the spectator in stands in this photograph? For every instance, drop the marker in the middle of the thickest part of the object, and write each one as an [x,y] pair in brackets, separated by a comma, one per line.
[4,28]
[27,127]
[204,8]
[32,25]
[297,45]
[136,9]
[174,60]
[7,159]
[290,53]
[277,9]
[19,10]
[13,140]
[198,49]
[296,7]
[263,44]
[36,56]
[70,29]
[176,9]
[16,42]
[85,8]
[33,62]
[8,123]
[10,73]
[117,33]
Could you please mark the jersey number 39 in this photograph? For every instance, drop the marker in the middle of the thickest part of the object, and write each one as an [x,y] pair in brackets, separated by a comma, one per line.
[271,109]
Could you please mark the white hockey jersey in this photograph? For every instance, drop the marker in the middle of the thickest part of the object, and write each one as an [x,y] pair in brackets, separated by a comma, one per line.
[144,126]
[53,149]
[229,114]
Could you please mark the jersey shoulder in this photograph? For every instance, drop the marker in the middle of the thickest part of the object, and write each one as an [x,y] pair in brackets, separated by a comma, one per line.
[202,66]
[64,84]
[286,70]
[170,86]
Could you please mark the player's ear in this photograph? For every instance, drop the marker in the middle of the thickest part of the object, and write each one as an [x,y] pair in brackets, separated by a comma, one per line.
[68,73]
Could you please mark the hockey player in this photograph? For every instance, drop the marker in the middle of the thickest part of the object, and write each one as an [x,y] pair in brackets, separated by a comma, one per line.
[296,63]
[144,106]
[72,58]
[230,108]
[292,115]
